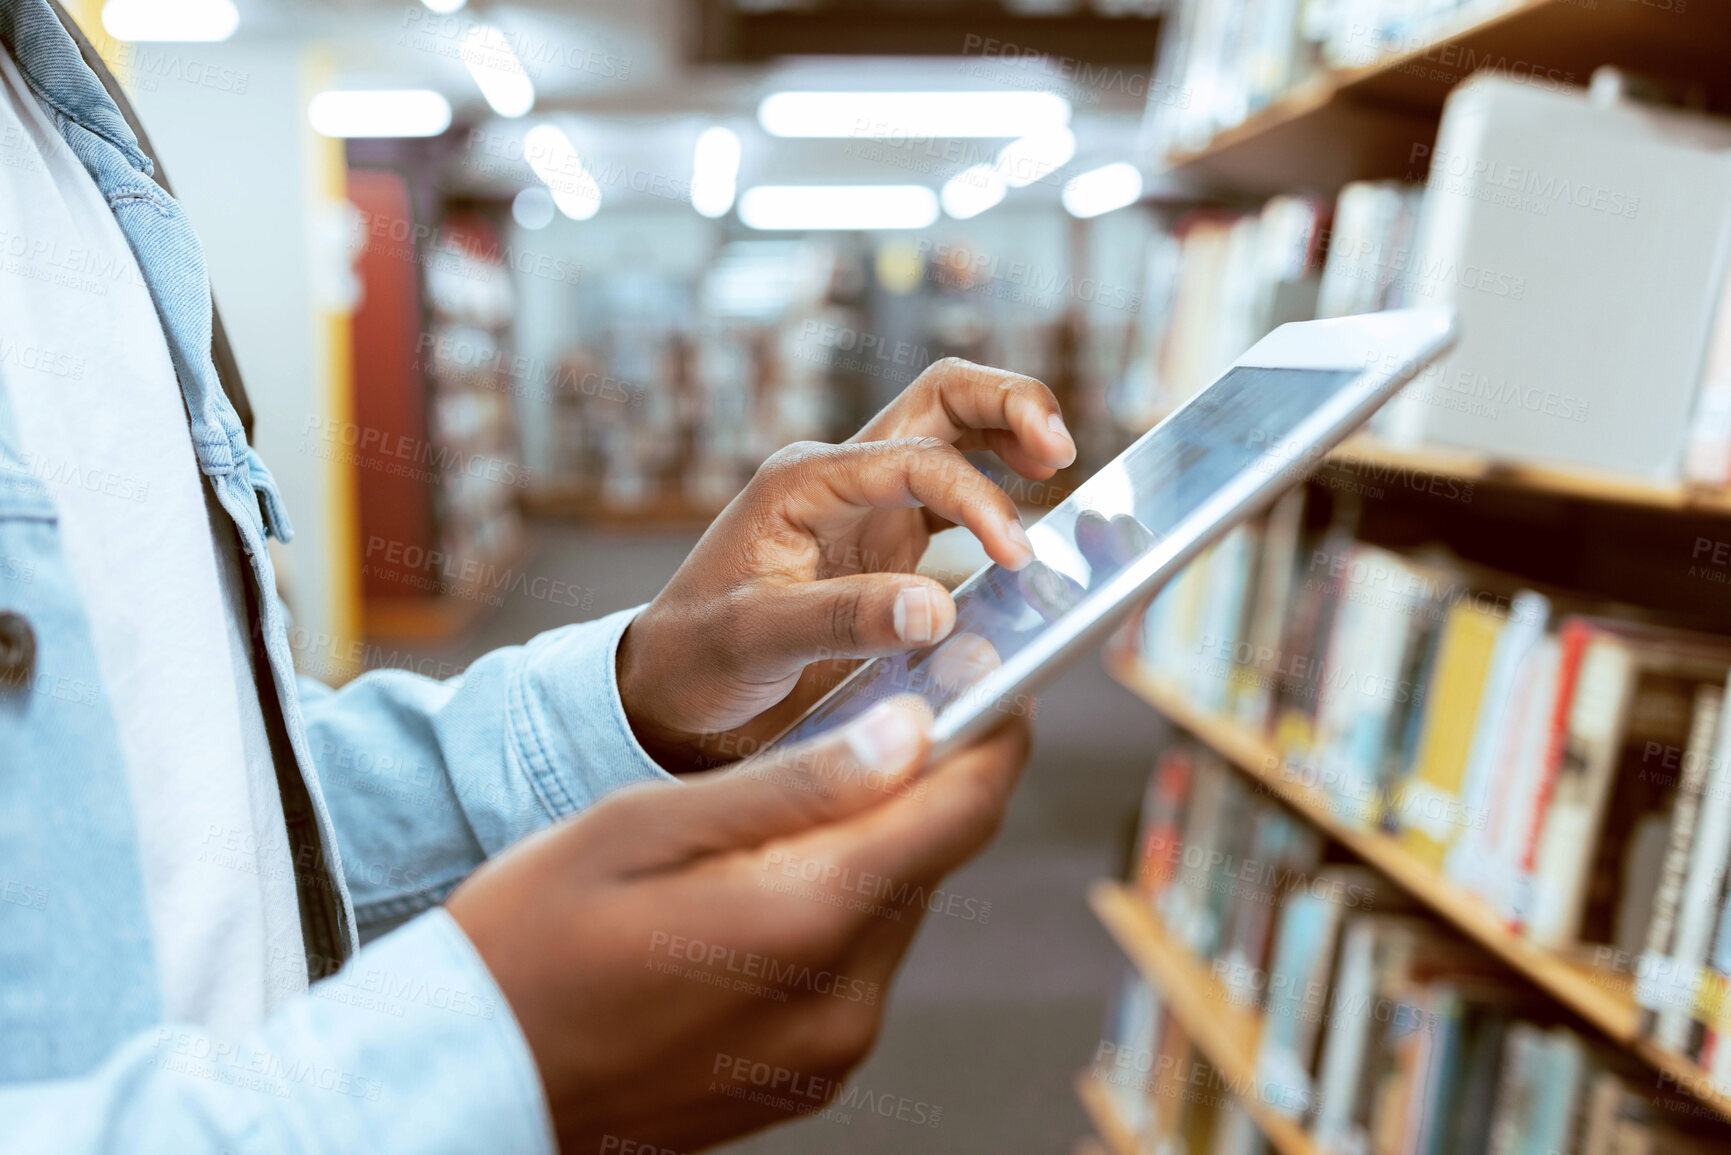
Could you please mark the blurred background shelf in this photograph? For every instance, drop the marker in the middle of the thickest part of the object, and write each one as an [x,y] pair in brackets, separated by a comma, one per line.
[1220,1027]
[1115,1137]
[585,506]
[1601,998]
[1088,1145]
[1376,121]
[450,599]
[1363,454]
[736,33]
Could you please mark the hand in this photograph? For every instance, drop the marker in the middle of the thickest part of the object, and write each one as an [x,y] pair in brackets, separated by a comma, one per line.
[651,948]
[814,561]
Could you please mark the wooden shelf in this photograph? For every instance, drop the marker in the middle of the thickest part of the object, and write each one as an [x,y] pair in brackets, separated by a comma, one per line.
[1364,123]
[1378,463]
[1116,1138]
[662,510]
[1370,459]
[1603,999]
[1223,1030]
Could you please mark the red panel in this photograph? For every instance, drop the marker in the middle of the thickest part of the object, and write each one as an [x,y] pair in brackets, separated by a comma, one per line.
[393,474]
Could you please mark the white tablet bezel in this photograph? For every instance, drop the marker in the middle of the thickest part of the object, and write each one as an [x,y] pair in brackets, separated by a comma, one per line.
[1386,349]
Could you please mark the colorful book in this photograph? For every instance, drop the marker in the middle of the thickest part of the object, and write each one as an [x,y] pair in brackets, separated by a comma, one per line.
[1427,805]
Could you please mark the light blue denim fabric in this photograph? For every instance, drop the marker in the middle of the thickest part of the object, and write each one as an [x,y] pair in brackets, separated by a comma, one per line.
[410,1047]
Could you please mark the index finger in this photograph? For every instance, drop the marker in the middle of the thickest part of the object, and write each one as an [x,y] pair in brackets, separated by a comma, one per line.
[978,407]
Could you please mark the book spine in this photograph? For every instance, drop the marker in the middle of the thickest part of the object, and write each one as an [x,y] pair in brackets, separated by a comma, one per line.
[1573,640]
[1701,887]
[1703,729]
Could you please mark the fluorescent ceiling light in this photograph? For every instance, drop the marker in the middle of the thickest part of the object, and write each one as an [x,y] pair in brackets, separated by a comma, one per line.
[714,171]
[183,20]
[1101,190]
[912,114]
[390,112]
[870,206]
[555,160]
[970,193]
[1026,160]
[533,207]
[497,71]
[444,7]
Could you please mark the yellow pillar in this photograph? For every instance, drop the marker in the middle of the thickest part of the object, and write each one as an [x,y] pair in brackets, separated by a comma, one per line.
[327,174]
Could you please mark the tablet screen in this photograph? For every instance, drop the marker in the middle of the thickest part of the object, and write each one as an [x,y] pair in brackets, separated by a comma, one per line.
[1244,421]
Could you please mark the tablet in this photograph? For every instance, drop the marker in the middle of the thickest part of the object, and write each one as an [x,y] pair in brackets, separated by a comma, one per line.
[1221,457]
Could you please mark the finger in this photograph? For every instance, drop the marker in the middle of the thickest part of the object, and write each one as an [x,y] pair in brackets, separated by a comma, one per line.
[956,809]
[1009,449]
[956,399]
[858,616]
[833,777]
[806,483]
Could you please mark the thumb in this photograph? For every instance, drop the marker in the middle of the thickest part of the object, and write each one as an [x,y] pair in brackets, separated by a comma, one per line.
[834,776]
[863,615]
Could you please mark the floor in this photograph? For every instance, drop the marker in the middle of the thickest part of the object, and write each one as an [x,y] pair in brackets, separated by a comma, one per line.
[989,1019]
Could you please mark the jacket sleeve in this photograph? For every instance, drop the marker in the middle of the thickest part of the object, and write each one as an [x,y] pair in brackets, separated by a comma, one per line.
[426,778]
[410,1048]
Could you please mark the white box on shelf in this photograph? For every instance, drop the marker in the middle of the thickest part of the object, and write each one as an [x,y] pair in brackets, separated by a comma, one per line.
[1583,245]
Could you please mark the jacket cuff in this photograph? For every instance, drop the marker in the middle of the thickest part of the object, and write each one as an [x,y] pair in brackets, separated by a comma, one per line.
[439,1031]
[569,721]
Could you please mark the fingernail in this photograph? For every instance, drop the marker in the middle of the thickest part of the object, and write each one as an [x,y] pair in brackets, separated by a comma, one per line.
[1019,538]
[1055,423]
[884,738]
[915,616]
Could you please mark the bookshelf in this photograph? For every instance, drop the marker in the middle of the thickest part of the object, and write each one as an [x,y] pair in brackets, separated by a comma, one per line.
[1116,1138]
[1361,123]
[1368,123]
[1550,481]
[663,511]
[1224,1032]
[1604,1000]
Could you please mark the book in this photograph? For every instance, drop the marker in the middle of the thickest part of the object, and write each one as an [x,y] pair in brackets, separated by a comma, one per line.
[1428,804]
[1336,1124]
[1221,63]
[1258,658]
[1298,988]
[1362,687]
[1237,1133]
[1707,451]
[1691,775]
[1503,881]
[1698,906]
[1282,852]
[1158,840]
[1635,685]
[1572,638]
[1183,905]
[1226,611]
[1373,227]
[1529,615]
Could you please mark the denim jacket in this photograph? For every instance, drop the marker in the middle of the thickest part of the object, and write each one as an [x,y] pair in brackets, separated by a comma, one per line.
[409,784]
